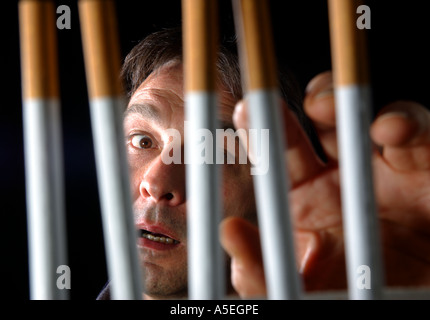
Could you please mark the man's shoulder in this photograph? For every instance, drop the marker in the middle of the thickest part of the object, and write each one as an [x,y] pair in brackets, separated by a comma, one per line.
[104,293]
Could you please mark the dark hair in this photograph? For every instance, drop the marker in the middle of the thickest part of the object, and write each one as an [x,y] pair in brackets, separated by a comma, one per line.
[165,46]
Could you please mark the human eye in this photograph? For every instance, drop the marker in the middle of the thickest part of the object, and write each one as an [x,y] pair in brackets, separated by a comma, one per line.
[141,141]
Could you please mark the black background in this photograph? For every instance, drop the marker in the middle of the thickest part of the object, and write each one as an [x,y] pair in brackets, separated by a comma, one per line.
[398,45]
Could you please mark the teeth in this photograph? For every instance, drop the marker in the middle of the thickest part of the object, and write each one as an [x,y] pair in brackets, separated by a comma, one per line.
[151,237]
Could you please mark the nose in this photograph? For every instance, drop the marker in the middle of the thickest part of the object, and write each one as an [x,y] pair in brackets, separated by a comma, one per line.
[164,183]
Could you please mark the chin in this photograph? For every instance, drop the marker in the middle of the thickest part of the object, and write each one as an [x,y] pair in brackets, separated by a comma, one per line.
[165,295]
[162,284]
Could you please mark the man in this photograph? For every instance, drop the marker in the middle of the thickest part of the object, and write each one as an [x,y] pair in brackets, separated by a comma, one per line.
[153,71]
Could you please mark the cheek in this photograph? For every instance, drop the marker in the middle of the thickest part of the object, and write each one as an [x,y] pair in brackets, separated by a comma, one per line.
[137,165]
[134,183]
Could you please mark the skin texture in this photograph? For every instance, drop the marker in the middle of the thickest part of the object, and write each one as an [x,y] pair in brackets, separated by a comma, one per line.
[401,164]
[159,190]
[401,161]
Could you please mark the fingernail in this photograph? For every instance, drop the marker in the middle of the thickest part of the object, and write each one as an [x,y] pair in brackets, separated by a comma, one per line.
[394,114]
[311,85]
[238,110]
[319,81]
[321,86]
[326,92]
[238,107]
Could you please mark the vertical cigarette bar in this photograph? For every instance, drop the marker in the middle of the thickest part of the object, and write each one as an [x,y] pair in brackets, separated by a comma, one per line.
[206,268]
[102,62]
[260,81]
[43,148]
[353,107]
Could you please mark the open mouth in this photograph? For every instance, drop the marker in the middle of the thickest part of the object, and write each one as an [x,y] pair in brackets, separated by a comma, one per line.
[156,237]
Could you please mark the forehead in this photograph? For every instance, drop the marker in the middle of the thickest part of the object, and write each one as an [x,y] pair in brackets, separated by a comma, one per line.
[165,82]
[164,88]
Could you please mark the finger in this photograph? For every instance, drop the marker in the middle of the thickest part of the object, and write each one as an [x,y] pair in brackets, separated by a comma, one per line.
[402,129]
[319,105]
[313,250]
[241,240]
[302,160]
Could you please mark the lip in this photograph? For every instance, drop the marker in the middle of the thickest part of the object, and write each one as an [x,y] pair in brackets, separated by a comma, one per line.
[149,244]
[157,229]
[146,243]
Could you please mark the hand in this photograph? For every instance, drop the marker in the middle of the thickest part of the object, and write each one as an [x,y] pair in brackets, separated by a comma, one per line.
[401,164]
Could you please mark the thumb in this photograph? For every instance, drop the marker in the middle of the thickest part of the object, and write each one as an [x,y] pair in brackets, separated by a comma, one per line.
[241,240]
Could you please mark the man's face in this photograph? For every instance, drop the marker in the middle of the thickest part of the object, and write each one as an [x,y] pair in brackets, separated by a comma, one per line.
[158,189]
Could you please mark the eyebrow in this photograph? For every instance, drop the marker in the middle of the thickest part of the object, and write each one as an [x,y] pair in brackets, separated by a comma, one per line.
[149,111]
[145,110]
